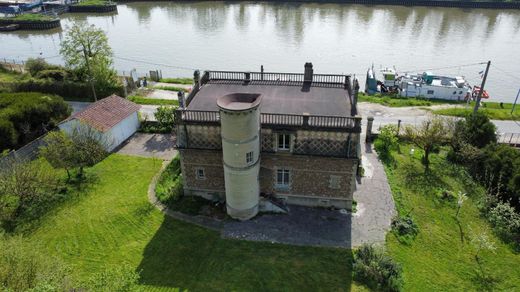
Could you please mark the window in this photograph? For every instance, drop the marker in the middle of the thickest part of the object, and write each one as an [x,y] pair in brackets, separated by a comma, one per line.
[249,157]
[200,173]
[430,92]
[282,177]
[284,141]
[334,182]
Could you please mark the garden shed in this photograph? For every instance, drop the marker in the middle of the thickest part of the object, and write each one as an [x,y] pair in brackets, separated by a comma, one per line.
[114,117]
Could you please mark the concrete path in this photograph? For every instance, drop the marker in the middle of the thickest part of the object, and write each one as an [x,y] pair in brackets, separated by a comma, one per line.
[186,86]
[162,94]
[150,145]
[384,115]
[375,204]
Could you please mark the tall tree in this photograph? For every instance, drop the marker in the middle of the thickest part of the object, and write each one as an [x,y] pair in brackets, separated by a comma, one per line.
[427,136]
[86,50]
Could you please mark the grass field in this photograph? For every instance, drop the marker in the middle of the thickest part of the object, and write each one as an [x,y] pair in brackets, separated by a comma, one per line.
[152,101]
[177,80]
[440,258]
[394,101]
[491,109]
[111,223]
[171,88]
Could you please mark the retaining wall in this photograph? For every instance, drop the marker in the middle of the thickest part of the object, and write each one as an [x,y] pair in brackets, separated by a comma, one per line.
[93,8]
[33,24]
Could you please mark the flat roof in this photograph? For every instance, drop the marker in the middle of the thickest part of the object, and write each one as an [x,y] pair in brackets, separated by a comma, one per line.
[279,98]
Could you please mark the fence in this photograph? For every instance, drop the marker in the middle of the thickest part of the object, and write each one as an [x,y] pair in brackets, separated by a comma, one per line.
[26,153]
[351,124]
[276,77]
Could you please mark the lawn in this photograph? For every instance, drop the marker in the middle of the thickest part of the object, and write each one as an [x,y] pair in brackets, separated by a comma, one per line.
[9,76]
[93,3]
[440,259]
[395,101]
[177,80]
[32,17]
[152,101]
[171,88]
[112,223]
[491,109]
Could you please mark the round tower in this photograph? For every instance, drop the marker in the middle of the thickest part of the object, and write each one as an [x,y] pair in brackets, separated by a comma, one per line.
[240,131]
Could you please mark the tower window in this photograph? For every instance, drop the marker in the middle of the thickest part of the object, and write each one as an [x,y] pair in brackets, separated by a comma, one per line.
[200,173]
[249,157]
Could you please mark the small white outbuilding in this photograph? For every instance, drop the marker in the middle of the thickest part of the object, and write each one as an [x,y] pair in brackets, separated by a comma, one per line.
[114,117]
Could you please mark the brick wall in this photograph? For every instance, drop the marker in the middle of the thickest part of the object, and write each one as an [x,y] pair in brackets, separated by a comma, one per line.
[312,176]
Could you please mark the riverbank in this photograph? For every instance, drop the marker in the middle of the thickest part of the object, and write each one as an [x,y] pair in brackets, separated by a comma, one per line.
[428,3]
[32,21]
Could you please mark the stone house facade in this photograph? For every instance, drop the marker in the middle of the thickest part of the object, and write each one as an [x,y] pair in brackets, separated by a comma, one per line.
[309,136]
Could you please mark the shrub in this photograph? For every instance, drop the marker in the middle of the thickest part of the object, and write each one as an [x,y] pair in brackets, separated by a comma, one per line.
[27,190]
[22,268]
[386,140]
[27,115]
[35,65]
[377,270]
[114,279]
[405,226]
[165,116]
[476,129]
[169,188]
[506,221]
[54,74]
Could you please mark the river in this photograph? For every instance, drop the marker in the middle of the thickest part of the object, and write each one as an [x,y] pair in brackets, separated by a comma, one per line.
[177,37]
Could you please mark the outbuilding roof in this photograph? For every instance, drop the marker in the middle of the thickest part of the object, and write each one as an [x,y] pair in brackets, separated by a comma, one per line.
[104,114]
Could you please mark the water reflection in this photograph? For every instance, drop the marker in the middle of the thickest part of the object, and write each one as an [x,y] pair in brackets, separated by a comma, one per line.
[282,36]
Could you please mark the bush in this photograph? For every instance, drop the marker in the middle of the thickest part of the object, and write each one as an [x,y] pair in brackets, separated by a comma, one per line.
[476,129]
[25,116]
[165,116]
[27,190]
[386,140]
[114,279]
[22,268]
[377,270]
[36,65]
[169,188]
[506,222]
[54,74]
[405,226]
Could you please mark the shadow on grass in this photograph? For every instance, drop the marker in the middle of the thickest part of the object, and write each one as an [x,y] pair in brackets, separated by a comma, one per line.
[185,256]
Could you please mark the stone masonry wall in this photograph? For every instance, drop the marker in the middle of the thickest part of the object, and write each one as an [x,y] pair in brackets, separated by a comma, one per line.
[311,176]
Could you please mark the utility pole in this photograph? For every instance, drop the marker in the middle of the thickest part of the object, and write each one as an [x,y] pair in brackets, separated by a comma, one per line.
[481,91]
[90,77]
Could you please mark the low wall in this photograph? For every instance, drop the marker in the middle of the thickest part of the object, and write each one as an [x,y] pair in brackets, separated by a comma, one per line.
[33,24]
[93,8]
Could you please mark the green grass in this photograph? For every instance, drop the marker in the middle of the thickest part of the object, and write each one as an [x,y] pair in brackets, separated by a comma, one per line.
[492,110]
[438,259]
[93,3]
[395,101]
[188,81]
[171,88]
[32,17]
[112,223]
[10,76]
[152,101]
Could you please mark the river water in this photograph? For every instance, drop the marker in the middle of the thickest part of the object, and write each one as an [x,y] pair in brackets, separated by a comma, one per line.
[179,37]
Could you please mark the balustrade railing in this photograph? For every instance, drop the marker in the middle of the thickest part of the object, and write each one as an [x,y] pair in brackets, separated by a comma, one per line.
[304,121]
[276,77]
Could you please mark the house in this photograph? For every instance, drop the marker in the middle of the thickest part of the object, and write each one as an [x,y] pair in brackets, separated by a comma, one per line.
[114,117]
[244,137]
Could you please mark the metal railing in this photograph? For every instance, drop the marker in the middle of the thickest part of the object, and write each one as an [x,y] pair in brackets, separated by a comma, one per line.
[277,77]
[267,119]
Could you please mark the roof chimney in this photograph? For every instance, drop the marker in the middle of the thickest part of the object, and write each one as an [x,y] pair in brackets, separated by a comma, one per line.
[307,75]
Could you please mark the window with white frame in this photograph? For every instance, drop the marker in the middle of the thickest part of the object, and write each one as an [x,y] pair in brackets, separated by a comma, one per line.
[284,142]
[249,157]
[200,173]
[283,177]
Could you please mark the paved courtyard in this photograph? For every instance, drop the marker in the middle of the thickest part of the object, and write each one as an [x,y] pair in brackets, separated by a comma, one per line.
[323,227]
[160,146]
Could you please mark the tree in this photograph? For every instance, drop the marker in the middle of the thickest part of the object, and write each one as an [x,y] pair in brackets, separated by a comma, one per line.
[84,147]
[429,135]
[386,140]
[89,147]
[58,151]
[165,116]
[476,129]
[86,50]
[25,190]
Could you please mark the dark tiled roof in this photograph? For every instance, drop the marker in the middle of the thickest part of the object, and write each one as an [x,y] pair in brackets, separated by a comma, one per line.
[279,98]
[106,113]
